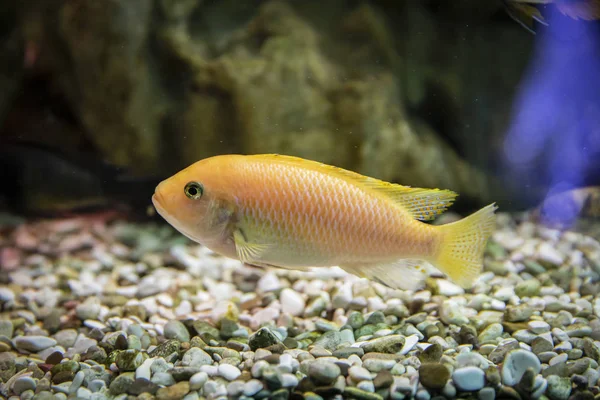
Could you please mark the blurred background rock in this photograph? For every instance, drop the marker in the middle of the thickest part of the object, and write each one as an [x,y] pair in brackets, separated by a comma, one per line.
[415,92]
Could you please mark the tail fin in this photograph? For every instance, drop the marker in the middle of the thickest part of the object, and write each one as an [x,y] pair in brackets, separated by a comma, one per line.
[461,251]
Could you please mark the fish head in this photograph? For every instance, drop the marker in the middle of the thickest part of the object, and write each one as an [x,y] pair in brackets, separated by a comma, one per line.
[196,202]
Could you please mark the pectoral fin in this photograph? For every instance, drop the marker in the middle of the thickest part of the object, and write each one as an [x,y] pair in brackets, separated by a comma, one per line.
[248,253]
[406,274]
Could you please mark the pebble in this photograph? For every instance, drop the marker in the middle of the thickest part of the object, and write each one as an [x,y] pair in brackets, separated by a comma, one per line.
[359,374]
[33,343]
[559,388]
[323,372]
[176,330]
[469,379]
[515,365]
[490,333]
[198,380]
[229,372]
[252,387]
[23,384]
[292,302]
[261,334]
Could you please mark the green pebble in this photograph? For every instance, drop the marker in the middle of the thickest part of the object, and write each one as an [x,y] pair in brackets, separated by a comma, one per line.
[377,317]
[205,329]
[71,366]
[528,288]
[166,348]
[356,320]
[121,383]
[387,344]
[263,338]
[329,340]
[129,360]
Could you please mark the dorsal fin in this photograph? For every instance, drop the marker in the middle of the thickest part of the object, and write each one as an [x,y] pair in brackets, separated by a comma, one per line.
[422,204]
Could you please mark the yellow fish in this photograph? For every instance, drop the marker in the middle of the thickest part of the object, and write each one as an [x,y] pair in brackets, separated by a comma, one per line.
[288,212]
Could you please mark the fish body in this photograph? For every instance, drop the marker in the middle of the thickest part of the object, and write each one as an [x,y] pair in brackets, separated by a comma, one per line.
[287,212]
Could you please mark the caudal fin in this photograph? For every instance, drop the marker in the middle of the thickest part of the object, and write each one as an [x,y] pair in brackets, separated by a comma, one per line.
[461,252]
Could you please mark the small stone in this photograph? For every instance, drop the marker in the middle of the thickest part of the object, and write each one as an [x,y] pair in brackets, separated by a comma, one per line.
[377,364]
[591,350]
[409,343]
[469,379]
[196,357]
[176,330]
[538,327]
[163,379]
[346,352]
[323,372]
[541,345]
[130,360]
[515,365]
[289,380]
[6,328]
[166,348]
[359,373]
[176,391]
[23,383]
[433,375]
[491,333]
[33,343]
[292,302]
[122,383]
[558,388]
[329,340]
[356,393]
[432,353]
[528,288]
[383,379]
[89,309]
[263,338]
[229,372]
[486,393]
[519,313]
[387,344]
[252,387]
[198,380]
[578,330]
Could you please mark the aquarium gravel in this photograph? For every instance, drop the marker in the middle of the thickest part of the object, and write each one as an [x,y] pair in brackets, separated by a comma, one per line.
[92,309]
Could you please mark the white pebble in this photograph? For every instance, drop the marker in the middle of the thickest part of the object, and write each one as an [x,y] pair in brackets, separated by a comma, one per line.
[292,302]
[229,372]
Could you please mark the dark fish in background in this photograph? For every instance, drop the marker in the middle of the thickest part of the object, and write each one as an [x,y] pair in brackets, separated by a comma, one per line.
[36,180]
[563,210]
[527,13]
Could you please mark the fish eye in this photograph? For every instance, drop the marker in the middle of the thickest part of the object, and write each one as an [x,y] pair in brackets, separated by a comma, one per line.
[193,190]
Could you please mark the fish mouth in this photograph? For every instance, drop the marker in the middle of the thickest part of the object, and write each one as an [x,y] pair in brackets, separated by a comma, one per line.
[157,202]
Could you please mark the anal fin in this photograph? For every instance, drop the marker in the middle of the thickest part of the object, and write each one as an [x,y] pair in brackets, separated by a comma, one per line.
[406,274]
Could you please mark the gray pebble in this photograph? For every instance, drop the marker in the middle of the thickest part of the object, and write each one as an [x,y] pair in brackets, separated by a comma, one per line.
[162,379]
[23,383]
[196,357]
[359,374]
[487,393]
[33,343]
[515,365]
[6,328]
[235,389]
[176,330]
[323,372]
